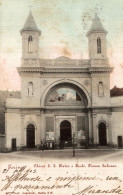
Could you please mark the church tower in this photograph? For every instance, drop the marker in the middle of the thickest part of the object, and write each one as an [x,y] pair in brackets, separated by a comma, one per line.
[97,40]
[100,69]
[30,84]
[30,40]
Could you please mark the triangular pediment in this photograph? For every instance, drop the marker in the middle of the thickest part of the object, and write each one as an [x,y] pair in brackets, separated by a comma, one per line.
[62,58]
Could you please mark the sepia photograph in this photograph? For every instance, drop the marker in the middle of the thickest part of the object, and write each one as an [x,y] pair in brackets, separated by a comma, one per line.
[61,97]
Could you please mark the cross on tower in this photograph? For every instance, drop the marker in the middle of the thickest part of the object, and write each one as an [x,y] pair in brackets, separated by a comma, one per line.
[30,5]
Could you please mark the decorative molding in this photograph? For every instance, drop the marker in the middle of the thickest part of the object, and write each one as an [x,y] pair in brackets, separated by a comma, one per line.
[86,82]
[61,70]
[22,116]
[60,82]
[63,61]
[103,121]
[30,119]
[38,116]
[109,115]
[100,69]
[94,115]
[67,70]
[66,75]
[30,122]
[102,118]
[45,82]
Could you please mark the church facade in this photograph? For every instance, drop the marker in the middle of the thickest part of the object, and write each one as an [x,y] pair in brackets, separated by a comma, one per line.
[64,98]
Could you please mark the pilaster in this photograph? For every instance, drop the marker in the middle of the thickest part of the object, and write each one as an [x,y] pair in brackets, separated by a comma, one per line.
[109,129]
[38,133]
[43,126]
[94,137]
[23,137]
[90,127]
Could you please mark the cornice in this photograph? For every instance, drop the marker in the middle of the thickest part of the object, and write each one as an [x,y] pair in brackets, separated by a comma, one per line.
[30,69]
[62,70]
[66,70]
[100,69]
[43,70]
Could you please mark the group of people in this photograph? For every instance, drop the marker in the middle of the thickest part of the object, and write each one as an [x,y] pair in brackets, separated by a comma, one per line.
[48,145]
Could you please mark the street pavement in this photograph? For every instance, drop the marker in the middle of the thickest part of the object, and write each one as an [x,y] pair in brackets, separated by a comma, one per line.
[115,155]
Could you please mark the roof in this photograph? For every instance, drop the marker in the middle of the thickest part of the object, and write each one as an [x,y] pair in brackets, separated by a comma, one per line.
[62,58]
[96,26]
[30,24]
[115,91]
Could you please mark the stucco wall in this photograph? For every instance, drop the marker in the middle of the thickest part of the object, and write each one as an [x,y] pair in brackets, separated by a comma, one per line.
[13,103]
[35,47]
[13,128]
[41,86]
[117,101]
[116,125]
[34,100]
[93,45]
[2,142]
[100,100]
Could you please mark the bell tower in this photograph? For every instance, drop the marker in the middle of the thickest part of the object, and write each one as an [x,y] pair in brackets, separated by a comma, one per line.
[97,40]
[30,40]
[99,66]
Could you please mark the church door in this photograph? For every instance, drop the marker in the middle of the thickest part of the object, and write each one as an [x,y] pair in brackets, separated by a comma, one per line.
[14,144]
[119,141]
[30,136]
[65,131]
[102,134]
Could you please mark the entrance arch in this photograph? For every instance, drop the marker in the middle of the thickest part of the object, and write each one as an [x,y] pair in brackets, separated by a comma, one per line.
[30,134]
[65,82]
[65,131]
[102,134]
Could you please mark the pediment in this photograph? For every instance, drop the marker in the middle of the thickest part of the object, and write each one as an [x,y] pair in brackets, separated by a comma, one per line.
[62,58]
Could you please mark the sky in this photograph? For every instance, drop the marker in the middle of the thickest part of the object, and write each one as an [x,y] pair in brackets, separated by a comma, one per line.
[63,25]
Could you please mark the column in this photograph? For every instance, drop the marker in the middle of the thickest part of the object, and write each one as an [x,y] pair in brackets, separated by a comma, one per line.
[38,130]
[58,121]
[76,130]
[109,129]
[43,126]
[86,130]
[94,138]
[23,142]
[55,129]
[90,127]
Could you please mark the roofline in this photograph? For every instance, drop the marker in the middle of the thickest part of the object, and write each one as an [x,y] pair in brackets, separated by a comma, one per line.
[37,30]
[96,31]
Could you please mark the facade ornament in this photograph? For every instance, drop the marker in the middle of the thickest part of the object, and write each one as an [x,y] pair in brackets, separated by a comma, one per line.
[86,82]
[30,119]
[101,89]
[45,82]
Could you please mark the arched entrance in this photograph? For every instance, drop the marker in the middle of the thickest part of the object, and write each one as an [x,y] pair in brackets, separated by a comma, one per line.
[66,98]
[65,131]
[102,134]
[30,136]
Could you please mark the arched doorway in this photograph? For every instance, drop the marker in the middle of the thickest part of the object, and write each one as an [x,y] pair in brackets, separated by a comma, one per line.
[102,134]
[65,131]
[30,136]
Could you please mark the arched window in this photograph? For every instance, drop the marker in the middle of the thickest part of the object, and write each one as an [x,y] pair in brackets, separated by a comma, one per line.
[30,44]
[30,89]
[98,45]
[100,89]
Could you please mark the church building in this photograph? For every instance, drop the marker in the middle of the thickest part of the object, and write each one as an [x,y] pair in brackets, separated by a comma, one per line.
[64,99]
